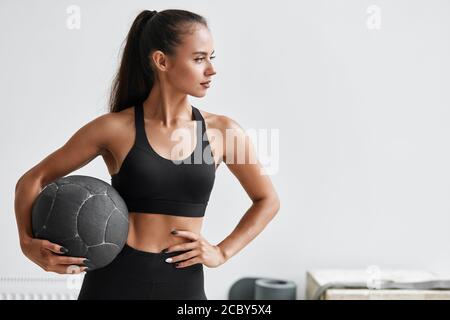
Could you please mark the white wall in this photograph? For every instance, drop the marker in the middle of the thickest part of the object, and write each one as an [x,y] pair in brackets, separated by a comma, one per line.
[363,116]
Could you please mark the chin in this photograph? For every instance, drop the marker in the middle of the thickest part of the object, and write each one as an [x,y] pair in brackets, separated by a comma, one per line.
[198,95]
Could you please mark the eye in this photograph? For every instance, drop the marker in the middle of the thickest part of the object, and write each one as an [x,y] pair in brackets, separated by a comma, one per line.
[200,59]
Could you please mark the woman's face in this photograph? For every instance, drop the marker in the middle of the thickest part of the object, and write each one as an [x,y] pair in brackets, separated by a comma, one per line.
[192,63]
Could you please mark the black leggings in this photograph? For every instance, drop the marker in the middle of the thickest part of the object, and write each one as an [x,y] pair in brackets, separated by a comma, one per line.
[136,274]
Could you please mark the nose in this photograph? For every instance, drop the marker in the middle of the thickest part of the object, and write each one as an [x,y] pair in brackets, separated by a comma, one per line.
[212,72]
[211,69]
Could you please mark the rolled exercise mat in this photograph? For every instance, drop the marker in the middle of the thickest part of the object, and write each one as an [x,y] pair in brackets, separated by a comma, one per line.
[243,289]
[275,289]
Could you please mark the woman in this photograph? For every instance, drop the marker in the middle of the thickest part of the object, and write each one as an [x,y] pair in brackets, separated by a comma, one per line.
[167,57]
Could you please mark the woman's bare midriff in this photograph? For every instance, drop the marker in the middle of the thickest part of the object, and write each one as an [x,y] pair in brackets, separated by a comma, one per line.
[151,232]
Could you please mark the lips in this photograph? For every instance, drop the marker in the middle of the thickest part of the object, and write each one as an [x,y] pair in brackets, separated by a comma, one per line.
[205,84]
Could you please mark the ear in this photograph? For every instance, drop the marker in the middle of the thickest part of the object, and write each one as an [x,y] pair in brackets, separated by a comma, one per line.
[159,60]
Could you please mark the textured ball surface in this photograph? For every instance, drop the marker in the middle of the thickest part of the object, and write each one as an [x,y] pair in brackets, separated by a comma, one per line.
[86,215]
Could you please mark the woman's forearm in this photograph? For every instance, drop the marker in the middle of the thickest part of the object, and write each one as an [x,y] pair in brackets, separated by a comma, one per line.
[251,224]
[27,189]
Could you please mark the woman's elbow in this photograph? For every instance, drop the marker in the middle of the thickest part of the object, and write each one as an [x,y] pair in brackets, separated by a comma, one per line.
[278,204]
[275,204]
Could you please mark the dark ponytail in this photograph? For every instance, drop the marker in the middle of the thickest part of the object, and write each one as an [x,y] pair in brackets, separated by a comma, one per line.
[150,31]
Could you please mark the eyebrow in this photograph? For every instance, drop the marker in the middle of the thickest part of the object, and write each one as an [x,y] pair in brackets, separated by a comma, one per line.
[203,52]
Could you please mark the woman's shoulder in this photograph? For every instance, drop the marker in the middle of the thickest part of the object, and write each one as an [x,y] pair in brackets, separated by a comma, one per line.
[220,121]
[118,119]
[112,123]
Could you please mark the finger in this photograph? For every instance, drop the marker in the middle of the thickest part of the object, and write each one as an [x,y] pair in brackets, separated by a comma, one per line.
[56,248]
[66,269]
[182,247]
[186,234]
[183,256]
[73,269]
[188,263]
[70,260]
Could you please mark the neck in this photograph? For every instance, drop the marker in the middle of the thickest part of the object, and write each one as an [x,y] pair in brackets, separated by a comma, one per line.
[167,106]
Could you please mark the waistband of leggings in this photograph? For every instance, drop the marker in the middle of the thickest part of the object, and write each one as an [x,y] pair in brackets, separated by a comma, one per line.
[128,248]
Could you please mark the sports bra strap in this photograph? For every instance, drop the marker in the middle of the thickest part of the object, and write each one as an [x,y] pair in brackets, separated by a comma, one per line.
[206,154]
[139,124]
[200,126]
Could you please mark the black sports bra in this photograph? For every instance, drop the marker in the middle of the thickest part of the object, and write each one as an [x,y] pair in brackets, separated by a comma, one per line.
[151,183]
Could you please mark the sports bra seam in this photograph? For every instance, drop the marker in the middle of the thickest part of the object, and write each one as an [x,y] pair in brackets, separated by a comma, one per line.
[173,200]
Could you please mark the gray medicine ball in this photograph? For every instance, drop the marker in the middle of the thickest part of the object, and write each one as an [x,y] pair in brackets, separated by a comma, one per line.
[83,214]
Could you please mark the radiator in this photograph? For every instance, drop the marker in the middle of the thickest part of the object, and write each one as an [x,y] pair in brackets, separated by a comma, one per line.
[63,287]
